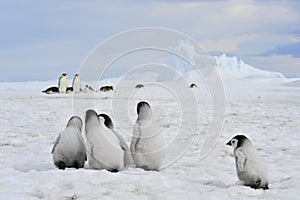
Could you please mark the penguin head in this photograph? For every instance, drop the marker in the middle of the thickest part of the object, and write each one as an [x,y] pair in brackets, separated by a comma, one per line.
[143,110]
[107,121]
[75,121]
[142,106]
[64,74]
[90,114]
[238,141]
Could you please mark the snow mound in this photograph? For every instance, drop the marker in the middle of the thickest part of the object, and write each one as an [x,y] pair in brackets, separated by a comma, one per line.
[235,68]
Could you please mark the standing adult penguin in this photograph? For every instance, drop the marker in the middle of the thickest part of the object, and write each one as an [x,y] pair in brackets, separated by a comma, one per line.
[103,147]
[147,142]
[109,124]
[76,84]
[250,167]
[62,83]
[69,149]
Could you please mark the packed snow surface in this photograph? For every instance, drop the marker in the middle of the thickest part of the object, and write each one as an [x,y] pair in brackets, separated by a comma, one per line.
[267,111]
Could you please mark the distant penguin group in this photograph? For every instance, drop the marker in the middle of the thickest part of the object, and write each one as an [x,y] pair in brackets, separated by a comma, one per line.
[63,85]
[104,148]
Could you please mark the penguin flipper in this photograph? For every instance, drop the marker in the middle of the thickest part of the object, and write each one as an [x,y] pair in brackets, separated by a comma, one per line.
[55,144]
[123,143]
[135,138]
[241,160]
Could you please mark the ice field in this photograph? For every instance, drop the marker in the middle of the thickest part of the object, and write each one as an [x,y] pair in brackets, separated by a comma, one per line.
[266,110]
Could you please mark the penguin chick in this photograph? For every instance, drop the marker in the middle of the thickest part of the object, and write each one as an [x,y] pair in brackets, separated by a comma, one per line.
[147,142]
[104,148]
[250,167]
[69,149]
[109,124]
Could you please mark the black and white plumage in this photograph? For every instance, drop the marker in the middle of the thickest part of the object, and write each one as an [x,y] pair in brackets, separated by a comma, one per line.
[147,142]
[69,149]
[51,90]
[107,88]
[250,167]
[69,90]
[76,84]
[103,147]
[62,84]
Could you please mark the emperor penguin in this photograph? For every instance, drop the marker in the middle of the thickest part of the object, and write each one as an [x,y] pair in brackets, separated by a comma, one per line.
[62,84]
[250,167]
[88,88]
[147,142]
[69,148]
[109,124]
[51,90]
[76,84]
[103,147]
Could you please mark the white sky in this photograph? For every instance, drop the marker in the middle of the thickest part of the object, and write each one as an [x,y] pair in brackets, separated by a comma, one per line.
[41,39]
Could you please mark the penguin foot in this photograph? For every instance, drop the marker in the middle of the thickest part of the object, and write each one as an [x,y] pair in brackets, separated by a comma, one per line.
[114,171]
[266,187]
[258,185]
[61,165]
[76,165]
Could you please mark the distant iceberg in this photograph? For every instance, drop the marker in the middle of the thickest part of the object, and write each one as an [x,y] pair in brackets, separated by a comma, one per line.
[235,68]
[228,67]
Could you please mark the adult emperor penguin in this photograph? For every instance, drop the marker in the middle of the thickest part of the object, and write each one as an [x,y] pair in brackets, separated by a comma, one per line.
[147,142]
[76,84]
[51,90]
[62,84]
[103,147]
[250,167]
[109,124]
[69,149]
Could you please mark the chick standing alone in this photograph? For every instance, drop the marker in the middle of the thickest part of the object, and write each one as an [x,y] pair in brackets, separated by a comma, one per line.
[147,142]
[250,167]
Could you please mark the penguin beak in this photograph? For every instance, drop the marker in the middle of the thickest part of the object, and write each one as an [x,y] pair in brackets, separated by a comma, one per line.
[228,143]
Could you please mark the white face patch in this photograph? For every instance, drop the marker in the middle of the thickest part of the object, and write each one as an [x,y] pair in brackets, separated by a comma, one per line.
[234,143]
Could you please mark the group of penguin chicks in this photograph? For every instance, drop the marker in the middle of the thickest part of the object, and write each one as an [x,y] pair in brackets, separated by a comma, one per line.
[104,148]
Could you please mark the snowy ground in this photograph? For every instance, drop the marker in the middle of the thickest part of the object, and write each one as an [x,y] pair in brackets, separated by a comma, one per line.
[267,111]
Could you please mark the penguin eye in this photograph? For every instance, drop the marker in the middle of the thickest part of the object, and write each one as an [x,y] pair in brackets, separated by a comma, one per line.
[233,141]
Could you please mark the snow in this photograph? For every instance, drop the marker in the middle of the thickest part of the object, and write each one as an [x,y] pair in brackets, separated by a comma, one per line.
[266,110]
[235,68]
